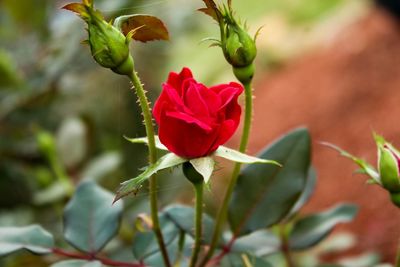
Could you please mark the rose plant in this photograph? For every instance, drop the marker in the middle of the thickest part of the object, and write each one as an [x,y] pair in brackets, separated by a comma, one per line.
[262,200]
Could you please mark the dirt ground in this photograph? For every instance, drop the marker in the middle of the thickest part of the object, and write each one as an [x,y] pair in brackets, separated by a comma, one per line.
[342,93]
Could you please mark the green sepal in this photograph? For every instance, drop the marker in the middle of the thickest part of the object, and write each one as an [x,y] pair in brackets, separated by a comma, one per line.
[131,186]
[222,151]
[144,140]
[365,167]
[204,166]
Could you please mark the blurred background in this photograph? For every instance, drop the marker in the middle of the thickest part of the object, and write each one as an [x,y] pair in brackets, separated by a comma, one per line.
[332,65]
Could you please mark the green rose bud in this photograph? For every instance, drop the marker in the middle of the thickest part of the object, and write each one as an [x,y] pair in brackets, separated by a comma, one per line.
[388,165]
[109,47]
[239,48]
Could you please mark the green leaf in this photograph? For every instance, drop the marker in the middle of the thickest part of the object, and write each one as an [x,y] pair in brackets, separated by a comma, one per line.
[204,166]
[32,238]
[51,194]
[101,166]
[307,192]
[77,263]
[265,194]
[144,27]
[131,186]
[365,167]
[236,156]
[145,243]
[259,243]
[156,259]
[311,229]
[90,219]
[144,140]
[183,218]
[72,131]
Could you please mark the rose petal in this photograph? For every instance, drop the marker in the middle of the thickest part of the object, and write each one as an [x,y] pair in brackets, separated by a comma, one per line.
[189,119]
[176,80]
[227,92]
[170,96]
[194,101]
[187,140]
[226,131]
[212,99]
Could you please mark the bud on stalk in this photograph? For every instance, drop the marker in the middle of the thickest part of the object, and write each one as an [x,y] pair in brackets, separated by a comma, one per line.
[389,168]
[239,49]
[109,47]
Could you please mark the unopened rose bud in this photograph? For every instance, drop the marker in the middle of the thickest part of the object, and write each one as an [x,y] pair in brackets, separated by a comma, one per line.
[388,165]
[239,48]
[109,47]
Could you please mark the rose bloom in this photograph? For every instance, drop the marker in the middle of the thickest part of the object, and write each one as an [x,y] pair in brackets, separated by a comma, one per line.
[195,120]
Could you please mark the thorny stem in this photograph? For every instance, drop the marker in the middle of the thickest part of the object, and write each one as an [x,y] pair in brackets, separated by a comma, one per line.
[89,257]
[198,187]
[144,104]
[222,214]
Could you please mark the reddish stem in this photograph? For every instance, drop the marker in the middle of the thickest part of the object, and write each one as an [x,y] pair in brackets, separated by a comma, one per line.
[225,250]
[91,257]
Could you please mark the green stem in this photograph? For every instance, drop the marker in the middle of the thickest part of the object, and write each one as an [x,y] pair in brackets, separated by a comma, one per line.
[148,122]
[222,214]
[60,173]
[181,244]
[397,264]
[285,247]
[198,223]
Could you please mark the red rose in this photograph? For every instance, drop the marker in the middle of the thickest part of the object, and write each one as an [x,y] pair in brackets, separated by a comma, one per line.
[195,120]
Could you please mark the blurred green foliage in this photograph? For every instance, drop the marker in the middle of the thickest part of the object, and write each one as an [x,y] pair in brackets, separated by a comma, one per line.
[50,84]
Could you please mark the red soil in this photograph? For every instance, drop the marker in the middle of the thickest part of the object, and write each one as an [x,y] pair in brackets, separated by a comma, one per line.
[342,93]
